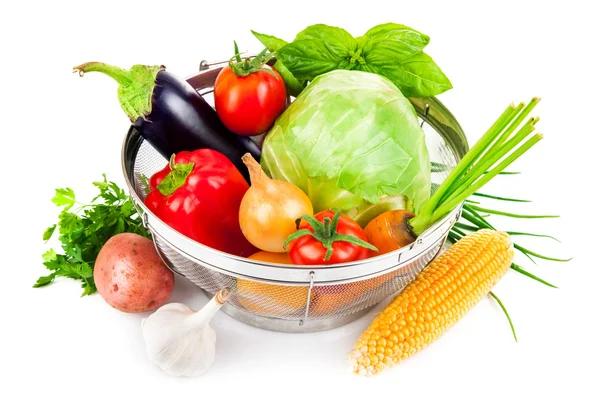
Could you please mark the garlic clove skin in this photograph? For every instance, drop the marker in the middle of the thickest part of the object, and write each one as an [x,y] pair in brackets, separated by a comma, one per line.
[181,341]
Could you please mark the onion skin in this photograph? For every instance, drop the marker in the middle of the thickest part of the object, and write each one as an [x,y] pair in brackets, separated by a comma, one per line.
[270,208]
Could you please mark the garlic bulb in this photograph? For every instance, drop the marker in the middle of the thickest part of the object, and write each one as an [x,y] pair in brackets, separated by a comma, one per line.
[181,341]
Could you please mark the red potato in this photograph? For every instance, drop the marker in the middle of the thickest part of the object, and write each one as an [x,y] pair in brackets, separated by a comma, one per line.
[130,276]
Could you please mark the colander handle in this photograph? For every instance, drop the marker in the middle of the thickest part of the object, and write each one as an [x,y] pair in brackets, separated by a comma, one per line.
[140,213]
[307,307]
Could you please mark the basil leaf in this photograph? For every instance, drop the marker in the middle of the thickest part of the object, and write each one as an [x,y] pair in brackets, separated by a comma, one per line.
[326,33]
[427,79]
[391,50]
[391,40]
[395,51]
[272,43]
[319,49]
[418,76]
[307,59]
[292,85]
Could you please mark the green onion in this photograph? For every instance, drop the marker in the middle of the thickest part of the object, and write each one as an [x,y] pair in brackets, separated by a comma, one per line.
[496,150]
[465,226]
[500,198]
[497,299]
[502,213]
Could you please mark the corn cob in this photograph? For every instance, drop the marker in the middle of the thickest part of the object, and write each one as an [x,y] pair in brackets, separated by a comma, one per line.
[439,296]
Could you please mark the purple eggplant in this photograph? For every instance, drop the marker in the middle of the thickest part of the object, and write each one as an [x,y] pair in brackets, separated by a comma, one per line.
[171,115]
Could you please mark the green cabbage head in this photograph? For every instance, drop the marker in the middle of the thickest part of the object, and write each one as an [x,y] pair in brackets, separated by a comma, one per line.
[351,141]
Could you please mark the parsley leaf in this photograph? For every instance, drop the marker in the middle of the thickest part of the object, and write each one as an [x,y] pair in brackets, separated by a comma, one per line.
[83,230]
[49,255]
[64,197]
[48,233]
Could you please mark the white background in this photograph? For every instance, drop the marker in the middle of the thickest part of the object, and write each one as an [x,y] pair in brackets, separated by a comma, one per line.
[59,130]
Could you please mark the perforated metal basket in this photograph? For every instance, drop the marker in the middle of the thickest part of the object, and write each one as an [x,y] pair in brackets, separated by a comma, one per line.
[297,298]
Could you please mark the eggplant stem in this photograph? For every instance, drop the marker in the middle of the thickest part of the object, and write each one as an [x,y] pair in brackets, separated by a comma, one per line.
[122,76]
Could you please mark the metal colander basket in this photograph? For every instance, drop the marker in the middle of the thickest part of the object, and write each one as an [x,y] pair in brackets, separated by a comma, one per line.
[297,298]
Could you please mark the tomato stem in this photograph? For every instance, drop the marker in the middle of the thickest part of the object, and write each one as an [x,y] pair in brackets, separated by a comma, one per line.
[243,68]
[326,233]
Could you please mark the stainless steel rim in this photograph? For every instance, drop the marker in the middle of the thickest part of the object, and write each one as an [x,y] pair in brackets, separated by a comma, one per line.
[297,275]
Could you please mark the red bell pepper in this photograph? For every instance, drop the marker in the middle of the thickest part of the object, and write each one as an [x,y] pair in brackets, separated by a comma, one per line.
[199,194]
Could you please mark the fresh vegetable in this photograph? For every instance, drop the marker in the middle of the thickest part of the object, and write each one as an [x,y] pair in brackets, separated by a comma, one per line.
[130,275]
[391,50]
[249,95]
[440,296]
[388,231]
[345,140]
[266,256]
[170,114]
[271,300]
[327,238]
[199,194]
[496,149]
[347,297]
[84,228]
[273,44]
[181,341]
[269,209]
[472,221]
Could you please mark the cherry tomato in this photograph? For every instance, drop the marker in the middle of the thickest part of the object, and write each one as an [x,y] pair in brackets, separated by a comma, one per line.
[248,105]
[312,249]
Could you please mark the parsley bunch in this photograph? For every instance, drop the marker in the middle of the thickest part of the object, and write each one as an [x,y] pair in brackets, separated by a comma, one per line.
[84,228]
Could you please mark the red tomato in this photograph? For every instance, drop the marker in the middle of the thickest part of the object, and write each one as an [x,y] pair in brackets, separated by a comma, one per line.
[311,250]
[248,105]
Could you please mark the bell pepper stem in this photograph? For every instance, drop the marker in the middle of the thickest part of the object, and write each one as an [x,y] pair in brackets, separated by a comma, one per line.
[176,177]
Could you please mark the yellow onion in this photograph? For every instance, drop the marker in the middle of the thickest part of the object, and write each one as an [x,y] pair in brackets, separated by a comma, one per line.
[269,209]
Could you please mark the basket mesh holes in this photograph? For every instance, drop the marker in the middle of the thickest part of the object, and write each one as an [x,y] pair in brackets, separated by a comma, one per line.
[289,302]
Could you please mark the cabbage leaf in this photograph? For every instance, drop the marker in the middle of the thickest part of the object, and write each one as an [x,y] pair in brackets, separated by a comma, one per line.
[351,141]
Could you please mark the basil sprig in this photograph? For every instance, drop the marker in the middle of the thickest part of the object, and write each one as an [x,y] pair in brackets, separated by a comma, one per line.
[273,44]
[391,50]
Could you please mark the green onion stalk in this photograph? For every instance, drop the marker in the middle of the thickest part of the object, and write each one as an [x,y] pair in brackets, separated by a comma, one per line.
[504,142]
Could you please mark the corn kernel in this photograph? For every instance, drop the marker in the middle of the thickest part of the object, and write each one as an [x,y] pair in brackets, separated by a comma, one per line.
[439,296]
